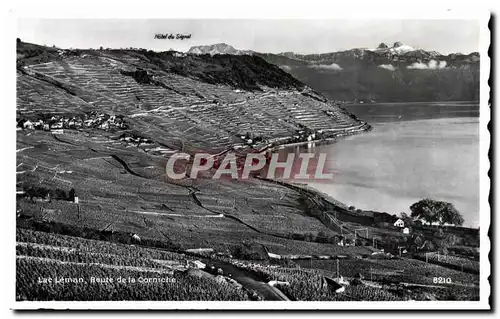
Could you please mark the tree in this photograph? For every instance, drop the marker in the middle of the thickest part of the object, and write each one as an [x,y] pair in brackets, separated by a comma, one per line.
[418,239]
[450,240]
[71,194]
[433,211]
[407,219]
[321,237]
[60,194]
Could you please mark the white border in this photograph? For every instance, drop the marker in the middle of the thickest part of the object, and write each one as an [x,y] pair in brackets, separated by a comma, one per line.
[254,9]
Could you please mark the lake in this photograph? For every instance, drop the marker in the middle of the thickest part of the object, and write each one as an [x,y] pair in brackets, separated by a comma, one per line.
[415,151]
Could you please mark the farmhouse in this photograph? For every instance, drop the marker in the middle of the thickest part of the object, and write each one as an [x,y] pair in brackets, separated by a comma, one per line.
[58,125]
[28,125]
[273,256]
[399,223]
[136,237]
[406,230]
[200,250]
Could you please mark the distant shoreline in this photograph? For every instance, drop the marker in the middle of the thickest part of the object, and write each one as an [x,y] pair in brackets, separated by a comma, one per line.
[417,102]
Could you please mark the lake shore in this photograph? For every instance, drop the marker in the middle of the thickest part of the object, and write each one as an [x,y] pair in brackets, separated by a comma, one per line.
[399,163]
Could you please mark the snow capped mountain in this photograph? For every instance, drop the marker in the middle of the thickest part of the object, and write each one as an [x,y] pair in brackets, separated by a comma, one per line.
[398,48]
[219,48]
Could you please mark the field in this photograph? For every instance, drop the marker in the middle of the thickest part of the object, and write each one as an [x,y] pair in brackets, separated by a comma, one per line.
[81,269]
[113,199]
[452,261]
[94,268]
[370,280]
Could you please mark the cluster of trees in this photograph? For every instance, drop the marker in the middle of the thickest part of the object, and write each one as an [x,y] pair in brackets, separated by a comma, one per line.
[250,251]
[45,193]
[140,76]
[433,211]
[239,71]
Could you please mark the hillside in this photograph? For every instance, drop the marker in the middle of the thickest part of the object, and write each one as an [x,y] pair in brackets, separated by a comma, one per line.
[105,122]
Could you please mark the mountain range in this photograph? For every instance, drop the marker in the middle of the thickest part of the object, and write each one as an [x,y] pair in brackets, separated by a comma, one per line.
[397,73]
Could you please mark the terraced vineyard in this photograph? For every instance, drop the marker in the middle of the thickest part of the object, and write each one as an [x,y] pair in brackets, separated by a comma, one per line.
[208,116]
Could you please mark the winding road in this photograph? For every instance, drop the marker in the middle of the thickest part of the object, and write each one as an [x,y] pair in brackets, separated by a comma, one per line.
[249,281]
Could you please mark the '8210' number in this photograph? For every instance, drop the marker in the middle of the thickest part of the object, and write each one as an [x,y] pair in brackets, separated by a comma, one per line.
[442,280]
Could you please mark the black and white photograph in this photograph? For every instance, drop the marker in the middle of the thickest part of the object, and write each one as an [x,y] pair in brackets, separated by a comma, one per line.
[253,163]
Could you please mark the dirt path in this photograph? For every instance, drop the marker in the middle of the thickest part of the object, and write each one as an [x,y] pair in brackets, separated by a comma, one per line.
[249,281]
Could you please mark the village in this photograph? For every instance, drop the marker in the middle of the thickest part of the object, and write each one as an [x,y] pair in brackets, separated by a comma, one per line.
[56,123]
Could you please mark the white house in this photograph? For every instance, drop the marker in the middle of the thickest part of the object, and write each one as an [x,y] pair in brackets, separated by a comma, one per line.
[28,125]
[57,131]
[333,284]
[339,290]
[200,250]
[273,256]
[406,230]
[399,223]
[57,125]
[276,282]
[136,237]
[197,264]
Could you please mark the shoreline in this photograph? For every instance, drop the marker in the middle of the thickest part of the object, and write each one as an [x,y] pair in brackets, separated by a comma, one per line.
[324,192]
[417,102]
[324,141]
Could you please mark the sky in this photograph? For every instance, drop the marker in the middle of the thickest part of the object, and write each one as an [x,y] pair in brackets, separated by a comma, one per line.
[274,36]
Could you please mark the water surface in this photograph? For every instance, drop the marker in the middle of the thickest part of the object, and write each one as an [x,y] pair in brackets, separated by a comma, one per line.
[414,151]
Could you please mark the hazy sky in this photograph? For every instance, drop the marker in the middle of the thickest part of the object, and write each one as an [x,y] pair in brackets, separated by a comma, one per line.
[300,36]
